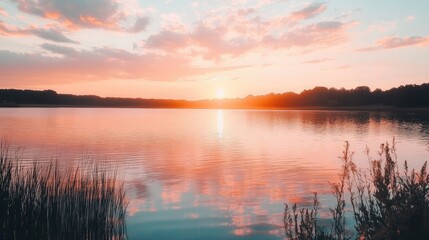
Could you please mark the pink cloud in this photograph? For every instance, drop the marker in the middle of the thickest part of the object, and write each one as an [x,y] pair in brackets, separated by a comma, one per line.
[409,18]
[319,34]
[382,26]
[343,67]
[232,32]
[51,34]
[3,12]
[215,44]
[106,14]
[99,64]
[173,22]
[140,25]
[91,14]
[168,40]
[397,42]
[310,11]
[226,32]
[7,30]
[314,61]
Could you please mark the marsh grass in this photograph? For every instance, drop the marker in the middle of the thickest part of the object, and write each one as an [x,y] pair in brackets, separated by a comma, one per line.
[44,201]
[385,203]
[302,223]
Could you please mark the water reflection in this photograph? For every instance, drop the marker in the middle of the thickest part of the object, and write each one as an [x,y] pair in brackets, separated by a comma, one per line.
[186,184]
[220,122]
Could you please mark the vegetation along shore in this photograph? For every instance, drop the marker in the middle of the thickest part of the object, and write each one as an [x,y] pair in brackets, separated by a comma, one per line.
[363,98]
[46,201]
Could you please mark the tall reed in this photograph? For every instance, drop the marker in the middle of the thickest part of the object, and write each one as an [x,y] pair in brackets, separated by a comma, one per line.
[385,204]
[388,204]
[44,201]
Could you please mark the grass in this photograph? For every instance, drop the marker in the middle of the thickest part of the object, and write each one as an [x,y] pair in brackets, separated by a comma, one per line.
[44,201]
[385,203]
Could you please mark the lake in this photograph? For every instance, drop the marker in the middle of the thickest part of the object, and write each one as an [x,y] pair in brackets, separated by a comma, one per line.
[214,174]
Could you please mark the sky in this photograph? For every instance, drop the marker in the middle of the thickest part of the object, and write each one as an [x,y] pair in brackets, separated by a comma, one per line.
[180,49]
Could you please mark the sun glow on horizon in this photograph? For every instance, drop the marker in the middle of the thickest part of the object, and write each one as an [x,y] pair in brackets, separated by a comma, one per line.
[220,93]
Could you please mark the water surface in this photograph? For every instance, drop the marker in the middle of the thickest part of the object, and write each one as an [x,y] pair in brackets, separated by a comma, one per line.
[214,174]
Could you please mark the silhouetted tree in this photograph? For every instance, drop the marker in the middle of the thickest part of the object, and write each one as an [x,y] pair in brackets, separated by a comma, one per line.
[403,96]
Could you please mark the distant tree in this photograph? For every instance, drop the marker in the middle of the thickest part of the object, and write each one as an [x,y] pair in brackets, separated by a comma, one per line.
[403,96]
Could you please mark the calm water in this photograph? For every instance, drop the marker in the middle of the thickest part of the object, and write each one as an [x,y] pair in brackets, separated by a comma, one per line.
[214,174]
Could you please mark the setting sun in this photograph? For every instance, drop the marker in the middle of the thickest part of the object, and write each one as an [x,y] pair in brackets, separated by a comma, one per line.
[220,93]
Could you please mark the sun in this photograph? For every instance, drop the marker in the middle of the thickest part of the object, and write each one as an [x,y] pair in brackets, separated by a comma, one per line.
[220,93]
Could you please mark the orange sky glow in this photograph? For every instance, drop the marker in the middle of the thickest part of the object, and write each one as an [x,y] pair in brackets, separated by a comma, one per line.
[211,49]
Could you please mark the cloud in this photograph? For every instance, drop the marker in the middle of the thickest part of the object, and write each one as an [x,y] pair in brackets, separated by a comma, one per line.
[308,12]
[58,49]
[168,40]
[326,33]
[397,42]
[3,12]
[344,67]
[51,34]
[6,30]
[224,32]
[140,25]
[229,32]
[106,14]
[409,18]
[382,26]
[97,64]
[314,61]
[82,13]
[172,22]
[214,44]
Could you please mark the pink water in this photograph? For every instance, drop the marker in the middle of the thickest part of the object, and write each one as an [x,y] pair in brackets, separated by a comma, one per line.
[214,174]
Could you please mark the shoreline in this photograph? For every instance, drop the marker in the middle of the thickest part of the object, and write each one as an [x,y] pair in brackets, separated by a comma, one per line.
[315,108]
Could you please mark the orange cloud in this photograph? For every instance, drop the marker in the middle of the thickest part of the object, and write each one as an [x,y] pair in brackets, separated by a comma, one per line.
[52,15]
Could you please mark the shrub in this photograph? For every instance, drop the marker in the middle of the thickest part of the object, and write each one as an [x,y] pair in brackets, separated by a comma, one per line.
[385,204]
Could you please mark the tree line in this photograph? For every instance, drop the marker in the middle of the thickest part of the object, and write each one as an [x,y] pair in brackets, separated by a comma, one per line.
[403,96]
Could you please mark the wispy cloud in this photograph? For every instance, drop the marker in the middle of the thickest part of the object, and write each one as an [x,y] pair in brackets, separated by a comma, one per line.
[382,26]
[409,18]
[51,34]
[310,11]
[3,12]
[96,64]
[344,67]
[314,61]
[397,42]
[327,33]
[67,51]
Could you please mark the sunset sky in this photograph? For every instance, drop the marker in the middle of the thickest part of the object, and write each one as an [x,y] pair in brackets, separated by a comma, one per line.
[205,49]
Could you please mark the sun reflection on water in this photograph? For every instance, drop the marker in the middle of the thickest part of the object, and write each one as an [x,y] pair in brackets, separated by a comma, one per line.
[220,123]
